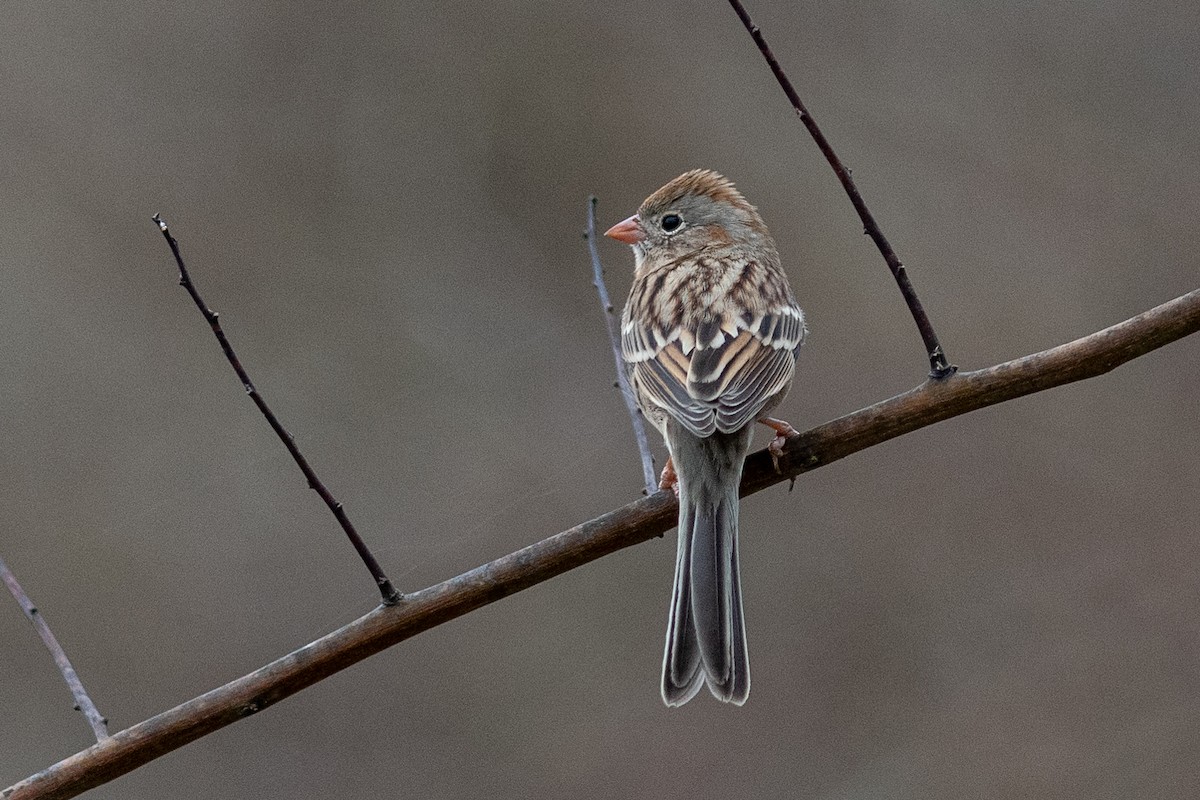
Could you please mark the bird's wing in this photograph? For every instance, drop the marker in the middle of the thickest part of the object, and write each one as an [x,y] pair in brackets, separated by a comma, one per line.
[719,376]
[738,372]
[658,369]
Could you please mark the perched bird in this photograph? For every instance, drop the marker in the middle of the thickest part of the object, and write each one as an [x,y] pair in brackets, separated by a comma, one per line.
[710,335]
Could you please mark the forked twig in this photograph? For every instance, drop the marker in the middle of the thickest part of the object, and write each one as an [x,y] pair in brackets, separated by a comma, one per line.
[386,590]
[931,402]
[82,702]
[614,339]
[939,364]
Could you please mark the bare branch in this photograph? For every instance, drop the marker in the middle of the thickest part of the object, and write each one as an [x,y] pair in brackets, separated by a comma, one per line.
[931,402]
[940,366]
[82,701]
[386,590]
[614,339]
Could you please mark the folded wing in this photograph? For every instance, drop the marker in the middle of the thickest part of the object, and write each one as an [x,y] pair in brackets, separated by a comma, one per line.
[720,375]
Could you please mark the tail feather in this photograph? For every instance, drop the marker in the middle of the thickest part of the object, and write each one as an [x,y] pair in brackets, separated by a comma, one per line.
[682,676]
[706,634]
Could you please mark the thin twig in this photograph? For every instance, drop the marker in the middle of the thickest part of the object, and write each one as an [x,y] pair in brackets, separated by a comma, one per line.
[931,402]
[940,366]
[386,590]
[614,339]
[82,702]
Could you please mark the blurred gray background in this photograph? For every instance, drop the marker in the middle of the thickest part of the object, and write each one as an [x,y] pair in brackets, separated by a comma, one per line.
[385,202]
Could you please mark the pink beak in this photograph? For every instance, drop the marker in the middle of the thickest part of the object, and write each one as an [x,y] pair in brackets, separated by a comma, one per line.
[627,231]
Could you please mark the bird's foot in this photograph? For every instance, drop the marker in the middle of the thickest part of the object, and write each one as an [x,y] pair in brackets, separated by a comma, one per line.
[668,479]
[783,432]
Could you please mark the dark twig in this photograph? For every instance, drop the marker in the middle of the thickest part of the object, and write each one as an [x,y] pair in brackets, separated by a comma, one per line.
[644,519]
[940,366]
[82,701]
[614,339]
[388,592]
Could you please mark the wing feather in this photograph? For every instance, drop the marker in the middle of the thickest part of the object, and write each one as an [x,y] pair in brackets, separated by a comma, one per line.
[723,380]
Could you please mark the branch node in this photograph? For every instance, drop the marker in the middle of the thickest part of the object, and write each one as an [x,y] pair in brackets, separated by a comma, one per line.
[939,367]
[391,597]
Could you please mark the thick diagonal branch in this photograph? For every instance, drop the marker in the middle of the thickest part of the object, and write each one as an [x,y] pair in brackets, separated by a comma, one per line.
[933,401]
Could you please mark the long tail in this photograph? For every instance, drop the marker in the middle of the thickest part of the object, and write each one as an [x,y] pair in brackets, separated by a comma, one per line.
[706,633]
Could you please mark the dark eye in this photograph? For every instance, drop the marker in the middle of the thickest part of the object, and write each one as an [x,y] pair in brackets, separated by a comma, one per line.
[671,222]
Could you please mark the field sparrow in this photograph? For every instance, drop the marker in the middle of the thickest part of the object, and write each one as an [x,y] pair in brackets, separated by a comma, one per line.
[710,335]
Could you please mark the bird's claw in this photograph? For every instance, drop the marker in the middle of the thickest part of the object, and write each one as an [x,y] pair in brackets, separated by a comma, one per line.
[783,432]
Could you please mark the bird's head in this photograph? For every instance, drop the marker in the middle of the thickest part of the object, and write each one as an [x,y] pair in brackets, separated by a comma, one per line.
[697,210]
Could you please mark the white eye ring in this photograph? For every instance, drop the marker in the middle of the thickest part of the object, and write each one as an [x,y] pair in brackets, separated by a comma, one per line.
[671,223]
